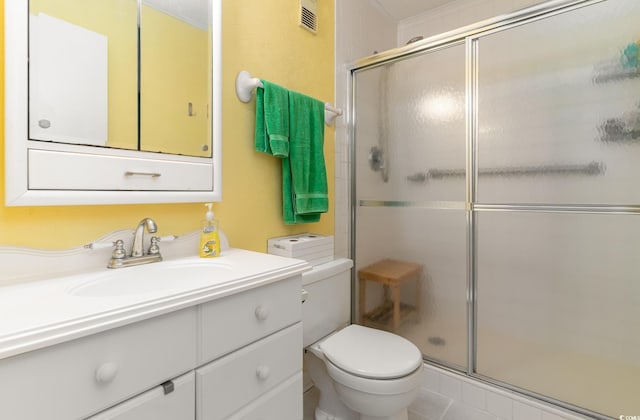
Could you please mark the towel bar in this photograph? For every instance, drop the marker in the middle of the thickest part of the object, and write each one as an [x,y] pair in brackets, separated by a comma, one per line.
[245,85]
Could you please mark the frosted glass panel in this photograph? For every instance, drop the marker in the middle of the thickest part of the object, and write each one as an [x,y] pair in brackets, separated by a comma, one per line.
[559,111]
[435,239]
[410,118]
[558,299]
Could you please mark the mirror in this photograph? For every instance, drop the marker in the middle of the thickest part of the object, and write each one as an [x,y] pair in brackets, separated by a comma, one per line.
[125,74]
[112,102]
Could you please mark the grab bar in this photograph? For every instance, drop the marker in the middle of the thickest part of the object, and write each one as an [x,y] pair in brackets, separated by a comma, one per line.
[245,85]
[591,169]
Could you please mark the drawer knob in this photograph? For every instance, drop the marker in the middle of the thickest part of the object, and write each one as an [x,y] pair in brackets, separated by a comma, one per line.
[106,372]
[262,313]
[263,372]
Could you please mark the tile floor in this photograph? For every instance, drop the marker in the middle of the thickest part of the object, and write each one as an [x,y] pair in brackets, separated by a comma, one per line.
[474,402]
[417,411]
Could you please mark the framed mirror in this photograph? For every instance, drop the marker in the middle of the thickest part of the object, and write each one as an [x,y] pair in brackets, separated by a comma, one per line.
[112,101]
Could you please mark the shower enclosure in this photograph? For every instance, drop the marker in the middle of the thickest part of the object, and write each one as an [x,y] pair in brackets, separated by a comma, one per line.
[505,159]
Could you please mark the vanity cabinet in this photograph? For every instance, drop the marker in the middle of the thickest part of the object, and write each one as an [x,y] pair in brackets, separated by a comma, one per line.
[242,318]
[255,341]
[78,378]
[226,385]
[236,355]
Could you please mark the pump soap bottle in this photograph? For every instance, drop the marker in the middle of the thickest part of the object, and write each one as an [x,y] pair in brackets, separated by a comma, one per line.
[209,237]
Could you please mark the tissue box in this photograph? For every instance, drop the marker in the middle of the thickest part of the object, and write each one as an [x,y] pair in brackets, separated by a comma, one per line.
[313,248]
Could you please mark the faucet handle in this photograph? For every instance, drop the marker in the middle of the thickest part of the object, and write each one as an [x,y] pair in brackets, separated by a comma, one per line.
[98,245]
[119,252]
[154,249]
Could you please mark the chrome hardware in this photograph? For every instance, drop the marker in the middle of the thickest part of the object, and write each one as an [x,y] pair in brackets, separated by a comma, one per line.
[168,387]
[417,177]
[151,174]
[377,162]
[118,253]
[376,158]
[119,256]
[154,248]
[138,236]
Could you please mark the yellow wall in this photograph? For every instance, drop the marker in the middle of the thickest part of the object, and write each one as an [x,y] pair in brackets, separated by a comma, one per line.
[174,66]
[263,38]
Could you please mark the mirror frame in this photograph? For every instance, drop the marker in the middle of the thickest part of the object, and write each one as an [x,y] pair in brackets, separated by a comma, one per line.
[18,146]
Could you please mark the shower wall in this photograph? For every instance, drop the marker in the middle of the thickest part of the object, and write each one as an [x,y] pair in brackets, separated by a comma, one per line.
[361,29]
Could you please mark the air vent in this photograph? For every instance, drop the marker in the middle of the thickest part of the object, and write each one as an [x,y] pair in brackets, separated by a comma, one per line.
[308,15]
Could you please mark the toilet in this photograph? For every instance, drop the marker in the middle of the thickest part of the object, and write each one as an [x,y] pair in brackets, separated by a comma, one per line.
[361,373]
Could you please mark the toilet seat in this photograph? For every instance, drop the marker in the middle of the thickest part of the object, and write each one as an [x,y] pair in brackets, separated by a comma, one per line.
[371,354]
[375,386]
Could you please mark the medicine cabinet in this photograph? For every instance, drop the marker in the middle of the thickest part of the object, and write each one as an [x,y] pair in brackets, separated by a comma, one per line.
[112,101]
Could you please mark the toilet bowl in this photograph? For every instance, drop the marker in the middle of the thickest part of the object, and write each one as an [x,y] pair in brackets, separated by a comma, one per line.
[361,373]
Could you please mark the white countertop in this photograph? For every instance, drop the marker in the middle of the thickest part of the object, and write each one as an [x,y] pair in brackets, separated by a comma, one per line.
[40,313]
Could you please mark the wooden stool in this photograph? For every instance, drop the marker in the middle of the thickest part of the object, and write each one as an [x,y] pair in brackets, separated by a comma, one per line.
[391,274]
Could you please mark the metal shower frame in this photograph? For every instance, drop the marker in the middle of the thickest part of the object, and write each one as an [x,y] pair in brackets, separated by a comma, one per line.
[469,36]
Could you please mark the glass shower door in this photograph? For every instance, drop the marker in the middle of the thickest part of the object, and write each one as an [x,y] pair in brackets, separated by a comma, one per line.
[409,126]
[558,229]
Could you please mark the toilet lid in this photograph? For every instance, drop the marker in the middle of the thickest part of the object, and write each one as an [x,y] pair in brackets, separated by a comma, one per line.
[371,353]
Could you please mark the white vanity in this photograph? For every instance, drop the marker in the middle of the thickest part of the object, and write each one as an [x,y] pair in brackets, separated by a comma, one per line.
[187,338]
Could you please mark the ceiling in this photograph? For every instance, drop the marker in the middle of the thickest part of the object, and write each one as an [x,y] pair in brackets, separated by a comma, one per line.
[194,12]
[402,9]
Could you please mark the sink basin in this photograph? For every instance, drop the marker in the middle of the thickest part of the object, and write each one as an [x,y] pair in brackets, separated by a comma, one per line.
[155,278]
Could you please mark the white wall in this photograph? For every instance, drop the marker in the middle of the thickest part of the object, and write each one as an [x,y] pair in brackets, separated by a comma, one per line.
[361,29]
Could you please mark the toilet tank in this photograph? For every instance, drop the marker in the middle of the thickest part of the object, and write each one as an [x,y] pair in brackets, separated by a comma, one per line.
[328,303]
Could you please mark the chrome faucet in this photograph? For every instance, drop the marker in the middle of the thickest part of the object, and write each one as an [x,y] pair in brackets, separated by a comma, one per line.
[138,236]
[119,256]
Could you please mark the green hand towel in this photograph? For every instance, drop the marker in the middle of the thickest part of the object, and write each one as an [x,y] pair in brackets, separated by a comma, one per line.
[272,120]
[306,155]
[288,214]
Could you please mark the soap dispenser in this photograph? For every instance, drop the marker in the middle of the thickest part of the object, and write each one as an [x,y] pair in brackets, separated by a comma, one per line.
[209,236]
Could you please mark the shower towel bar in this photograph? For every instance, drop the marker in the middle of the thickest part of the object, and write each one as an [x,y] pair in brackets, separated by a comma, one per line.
[245,85]
[591,168]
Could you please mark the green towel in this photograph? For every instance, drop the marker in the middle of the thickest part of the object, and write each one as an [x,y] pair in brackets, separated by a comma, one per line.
[272,120]
[306,155]
[290,126]
[288,214]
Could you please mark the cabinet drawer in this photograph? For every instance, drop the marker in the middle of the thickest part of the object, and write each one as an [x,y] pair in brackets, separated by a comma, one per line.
[232,322]
[57,170]
[156,405]
[228,384]
[284,402]
[81,377]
